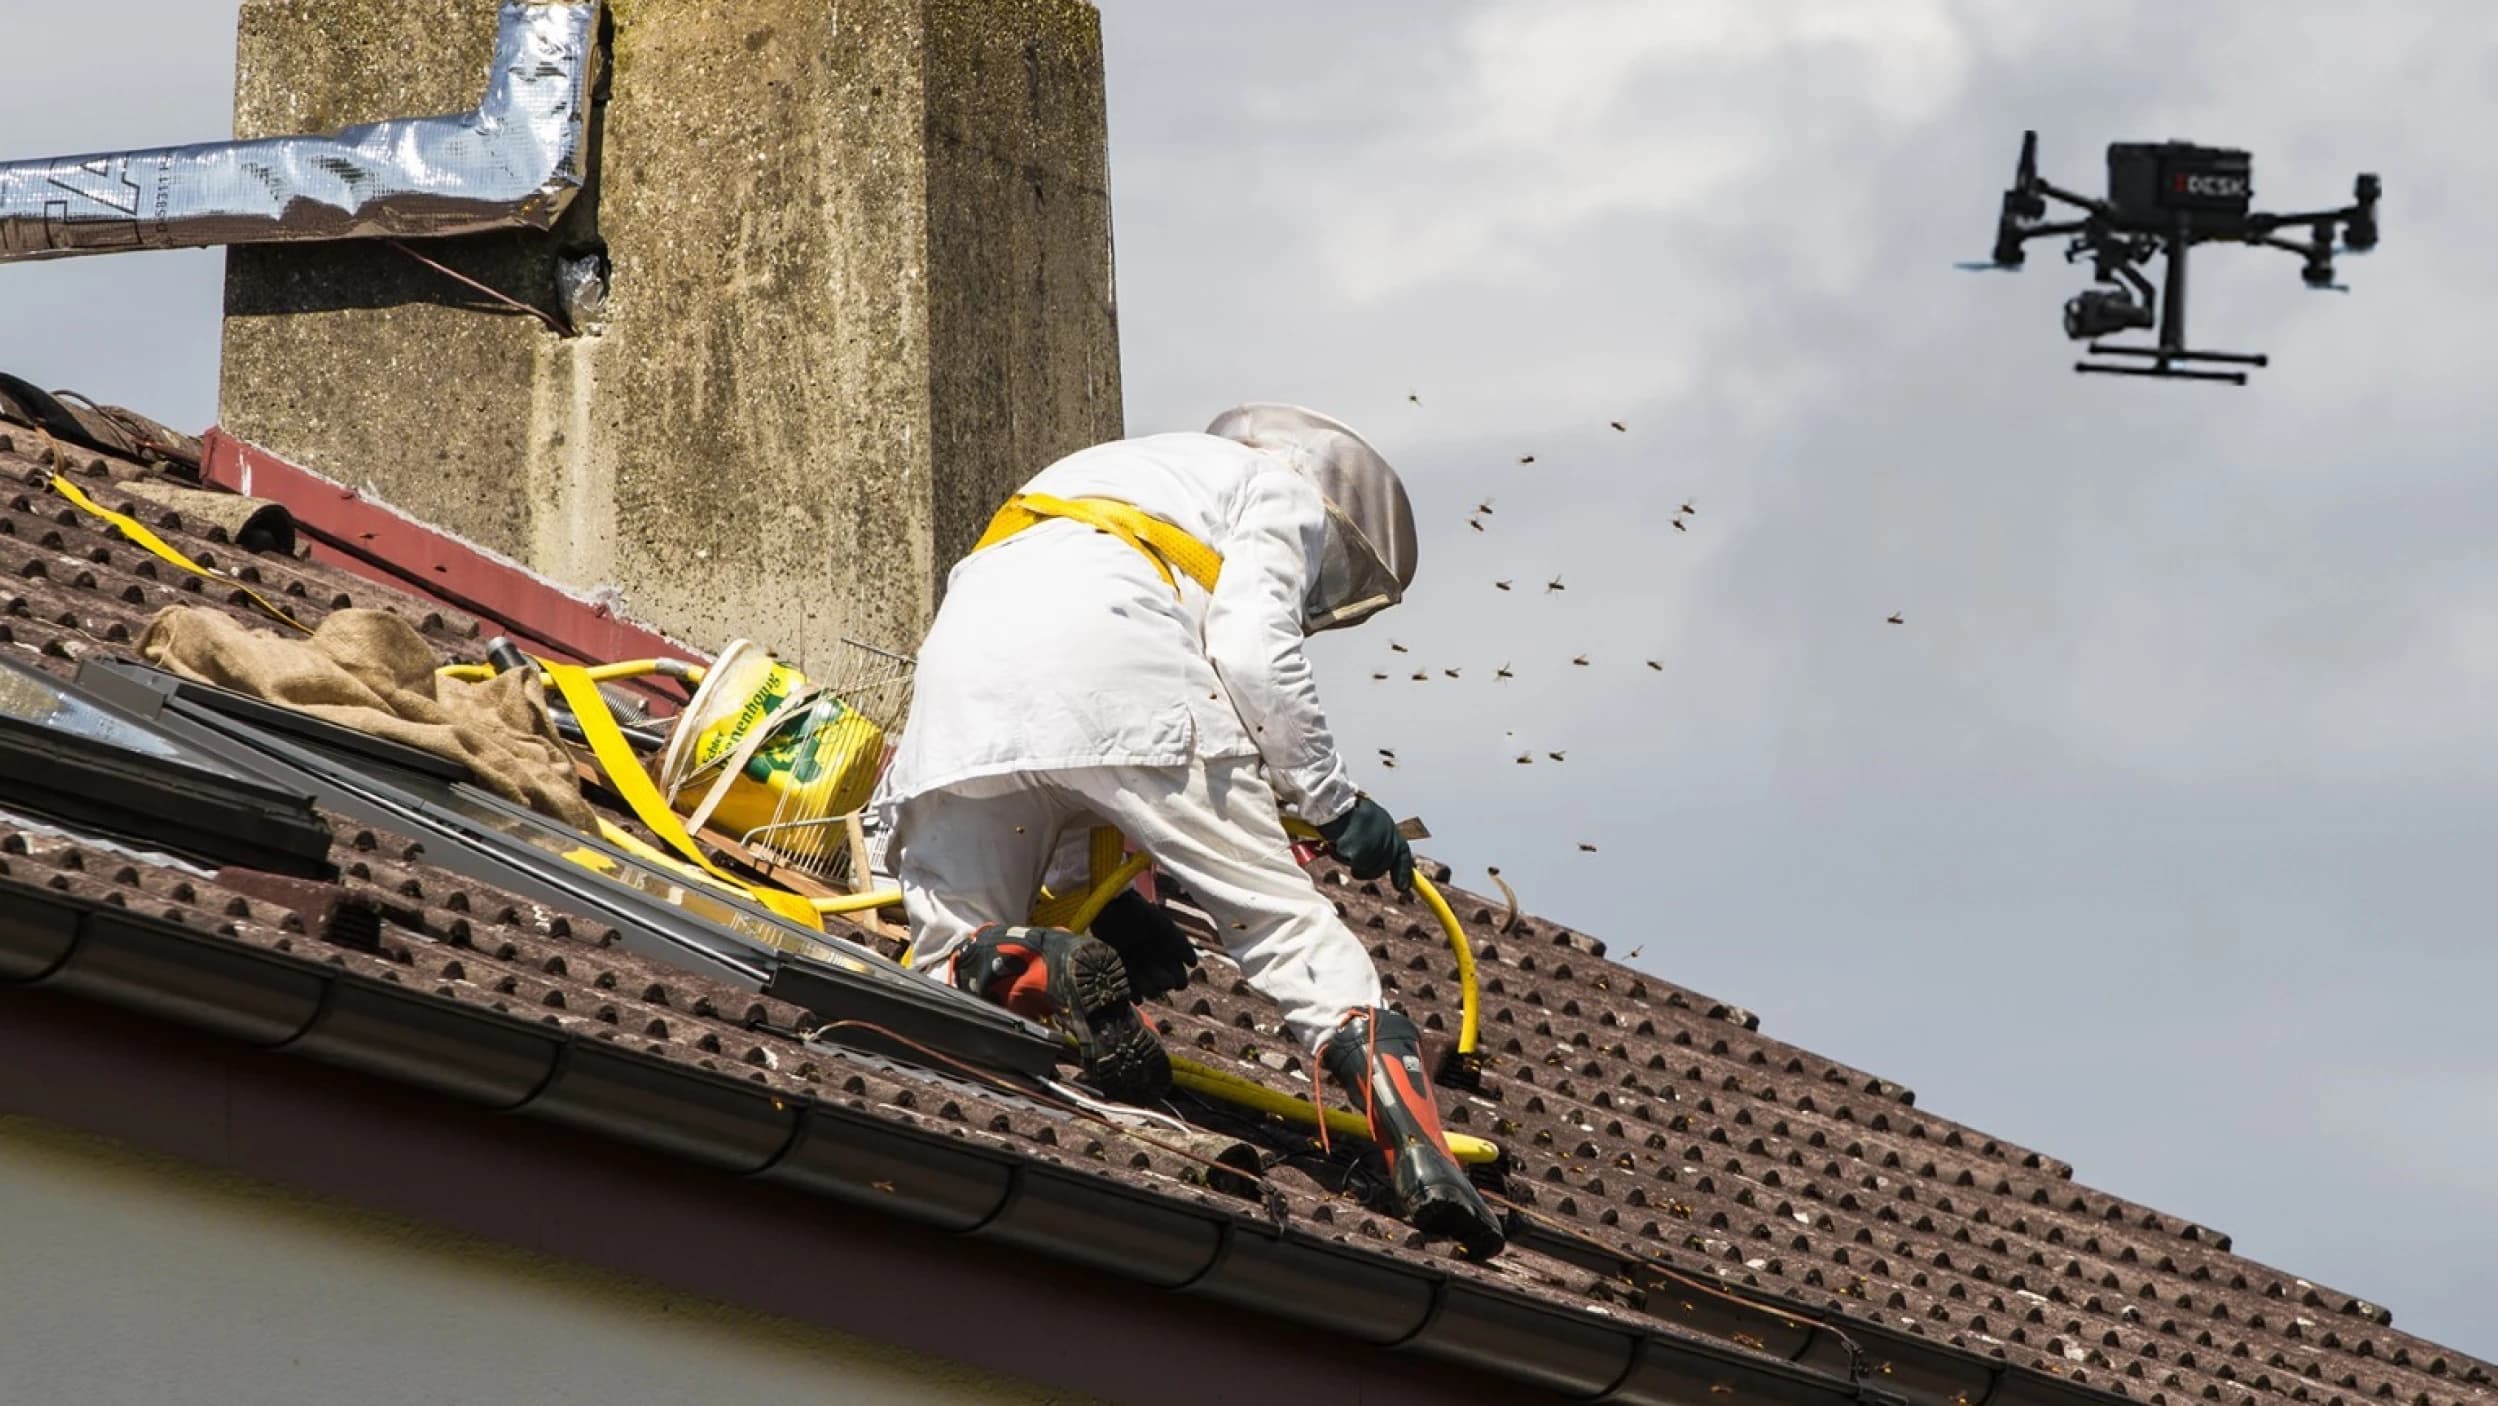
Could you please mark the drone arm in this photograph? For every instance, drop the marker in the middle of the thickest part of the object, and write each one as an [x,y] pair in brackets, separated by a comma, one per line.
[2011,235]
[2014,232]
[2308,218]
[2083,202]
[2265,224]
[2055,227]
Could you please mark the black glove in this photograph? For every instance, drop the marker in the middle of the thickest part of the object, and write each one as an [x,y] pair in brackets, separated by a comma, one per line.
[1365,838]
[1152,947]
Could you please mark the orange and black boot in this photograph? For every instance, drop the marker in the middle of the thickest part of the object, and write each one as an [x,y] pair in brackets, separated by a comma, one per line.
[1376,1057]
[1079,985]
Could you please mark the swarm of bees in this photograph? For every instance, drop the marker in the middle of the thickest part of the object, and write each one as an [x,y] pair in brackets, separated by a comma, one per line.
[1479,520]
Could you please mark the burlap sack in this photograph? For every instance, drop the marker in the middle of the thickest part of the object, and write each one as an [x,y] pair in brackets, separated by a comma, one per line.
[371,671]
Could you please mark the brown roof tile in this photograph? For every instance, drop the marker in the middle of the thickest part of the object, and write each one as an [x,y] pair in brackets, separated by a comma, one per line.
[1648,1115]
[1647,1118]
[70,584]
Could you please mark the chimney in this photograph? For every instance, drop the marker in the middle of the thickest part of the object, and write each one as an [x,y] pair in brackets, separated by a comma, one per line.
[857,286]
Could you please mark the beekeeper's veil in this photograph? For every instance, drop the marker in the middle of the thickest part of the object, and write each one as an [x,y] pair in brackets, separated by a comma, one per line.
[1369,557]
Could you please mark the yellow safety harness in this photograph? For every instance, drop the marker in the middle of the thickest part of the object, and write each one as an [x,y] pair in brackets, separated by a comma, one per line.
[1174,553]
[1170,549]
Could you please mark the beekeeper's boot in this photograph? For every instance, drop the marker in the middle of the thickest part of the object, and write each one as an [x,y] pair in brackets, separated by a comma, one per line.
[1375,1056]
[1079,985]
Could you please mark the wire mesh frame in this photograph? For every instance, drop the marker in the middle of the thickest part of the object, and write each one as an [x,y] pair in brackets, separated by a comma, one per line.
[850,713]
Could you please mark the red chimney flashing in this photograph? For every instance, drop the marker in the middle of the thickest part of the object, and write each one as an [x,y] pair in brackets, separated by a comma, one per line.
[356,533]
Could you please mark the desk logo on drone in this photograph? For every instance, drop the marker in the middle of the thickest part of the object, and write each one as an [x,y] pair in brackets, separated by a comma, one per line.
[2224,187]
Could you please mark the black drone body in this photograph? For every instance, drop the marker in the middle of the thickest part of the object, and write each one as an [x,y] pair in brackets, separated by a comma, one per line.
[2163,199]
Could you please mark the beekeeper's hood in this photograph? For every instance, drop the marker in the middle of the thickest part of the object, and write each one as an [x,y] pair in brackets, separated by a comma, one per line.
[1369,557]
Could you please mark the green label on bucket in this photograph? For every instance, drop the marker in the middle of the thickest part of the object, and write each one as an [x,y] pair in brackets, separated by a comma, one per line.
[803,749]
[722,737]
[771,694]
[818,762]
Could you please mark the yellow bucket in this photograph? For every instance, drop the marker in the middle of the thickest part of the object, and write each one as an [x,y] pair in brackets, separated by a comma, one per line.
[817,762]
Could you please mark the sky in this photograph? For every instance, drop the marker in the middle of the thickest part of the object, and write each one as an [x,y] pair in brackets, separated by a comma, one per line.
[2148,838]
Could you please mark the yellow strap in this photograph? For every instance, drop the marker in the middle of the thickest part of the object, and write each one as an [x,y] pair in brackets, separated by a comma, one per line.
[1109,870]
[1107,849]
[624,772]
[1166,546]
[139,534]
[634,845]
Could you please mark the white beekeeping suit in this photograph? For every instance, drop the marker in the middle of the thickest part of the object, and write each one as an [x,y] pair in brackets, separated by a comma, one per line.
[1073,678]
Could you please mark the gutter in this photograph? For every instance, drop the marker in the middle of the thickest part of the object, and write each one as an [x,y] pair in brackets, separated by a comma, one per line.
[1894,1363]
[159,968]
[515,160]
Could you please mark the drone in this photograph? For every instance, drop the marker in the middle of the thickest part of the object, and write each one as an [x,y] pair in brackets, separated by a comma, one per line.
[2163,199]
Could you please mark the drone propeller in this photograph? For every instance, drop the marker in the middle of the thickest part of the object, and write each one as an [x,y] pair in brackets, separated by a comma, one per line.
[2359,233]
[1985,266]
[2023,205]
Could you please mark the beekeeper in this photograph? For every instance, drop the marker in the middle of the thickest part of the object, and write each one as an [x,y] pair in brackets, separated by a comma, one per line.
[1125,647]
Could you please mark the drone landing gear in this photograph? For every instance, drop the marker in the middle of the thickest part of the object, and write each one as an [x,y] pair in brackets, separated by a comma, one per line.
[2162,359]
[2172,346]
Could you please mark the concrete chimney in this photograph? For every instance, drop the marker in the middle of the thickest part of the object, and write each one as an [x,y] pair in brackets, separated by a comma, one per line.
[858,271]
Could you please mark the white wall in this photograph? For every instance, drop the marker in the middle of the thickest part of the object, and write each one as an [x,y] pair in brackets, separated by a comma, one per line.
[127,1278]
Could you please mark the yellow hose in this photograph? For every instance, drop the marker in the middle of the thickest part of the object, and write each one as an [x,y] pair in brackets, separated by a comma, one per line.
[1231,1088]
[856,902]
[1098,897]
[599,673]
[1469,1002]
[1469,999]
